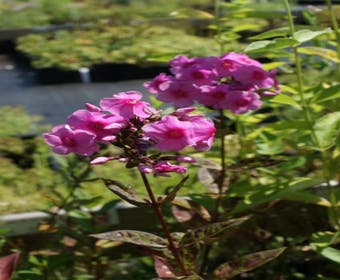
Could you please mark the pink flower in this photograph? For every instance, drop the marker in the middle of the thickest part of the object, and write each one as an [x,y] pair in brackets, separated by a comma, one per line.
[158,84]
[103,126]
[203,128]
[165,167]
[144,168]
[240,102]
[63,141]
[179,93]
[170,134]
[128,105]
[101,160]
[180,62]
[214,96]
[241,59]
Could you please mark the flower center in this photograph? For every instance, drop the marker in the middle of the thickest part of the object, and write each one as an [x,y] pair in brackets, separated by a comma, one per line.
[197,75]
[175,133]
[69,142]
[97,125]
[228,64]
[257,75]
[131,101]
[179,93]
[218,94]
[242,102]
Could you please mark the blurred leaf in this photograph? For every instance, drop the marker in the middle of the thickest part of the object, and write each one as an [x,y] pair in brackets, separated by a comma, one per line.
[268,45]
[208,178]
[327,129]
[8,265]
[307,35]
[206,163]
[185,210]
[209,232]
[277,32]
[333,92]
[135,237]
[253,163]
[323,52]
[285,99]
[246,263]
[126,193]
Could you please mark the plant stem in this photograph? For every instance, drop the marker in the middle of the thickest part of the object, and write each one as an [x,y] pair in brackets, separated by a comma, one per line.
[335,26]
[164,226]
[220,185]
[333,213]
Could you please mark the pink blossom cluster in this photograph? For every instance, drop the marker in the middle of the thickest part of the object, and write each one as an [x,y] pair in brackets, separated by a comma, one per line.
[131,124]
[232,81]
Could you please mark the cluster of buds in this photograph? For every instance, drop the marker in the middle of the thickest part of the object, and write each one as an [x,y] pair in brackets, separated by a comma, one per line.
[132,125]
[232,81]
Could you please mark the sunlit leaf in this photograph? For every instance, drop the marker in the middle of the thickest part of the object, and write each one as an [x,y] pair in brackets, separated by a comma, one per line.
[246,263]
[331,254]
[322,52]
[135,237]
[268,45]
[307,35]
[285,99]
[277,32]
[327,94]
[126,193]
[327,129]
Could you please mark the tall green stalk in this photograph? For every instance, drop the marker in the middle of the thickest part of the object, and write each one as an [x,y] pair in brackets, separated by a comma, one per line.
[336,29]
[333,213]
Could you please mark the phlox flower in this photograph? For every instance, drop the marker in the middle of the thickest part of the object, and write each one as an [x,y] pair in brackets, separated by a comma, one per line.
[64,140]
[128,105]
[103,126]
[179,93]
[240,102]
[170,134]
[158,84]
[165,167]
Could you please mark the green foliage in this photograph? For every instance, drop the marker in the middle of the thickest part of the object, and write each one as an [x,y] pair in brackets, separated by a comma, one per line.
[144,45]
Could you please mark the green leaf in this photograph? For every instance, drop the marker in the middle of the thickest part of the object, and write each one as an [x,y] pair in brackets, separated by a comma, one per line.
[277,32]
[307,35]
[268,45]
[172,194]
[246,263]
[331,254]
[285,99]
[208,233]
[327,129]
[126,193]
[323,52]
[135,237]
[333,92]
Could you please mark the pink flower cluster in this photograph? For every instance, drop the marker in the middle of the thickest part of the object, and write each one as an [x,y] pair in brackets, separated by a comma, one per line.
[232,81]
[134,126]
